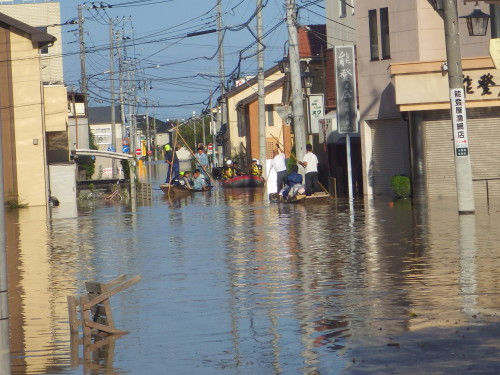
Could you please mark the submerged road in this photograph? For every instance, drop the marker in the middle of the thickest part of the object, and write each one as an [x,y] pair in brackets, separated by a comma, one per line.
[232,284]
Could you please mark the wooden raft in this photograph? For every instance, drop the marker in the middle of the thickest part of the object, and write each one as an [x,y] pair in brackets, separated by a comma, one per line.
[95,308]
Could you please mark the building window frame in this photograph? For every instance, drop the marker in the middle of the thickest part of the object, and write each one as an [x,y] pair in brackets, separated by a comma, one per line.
[342,8]
[385,34]
[373,33]
[270,114]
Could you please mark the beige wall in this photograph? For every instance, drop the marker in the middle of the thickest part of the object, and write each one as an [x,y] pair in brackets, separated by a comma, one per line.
[42,14]
[342,31]
[234,119]
[27,117]
[56,108]
[417,34]
[429,84]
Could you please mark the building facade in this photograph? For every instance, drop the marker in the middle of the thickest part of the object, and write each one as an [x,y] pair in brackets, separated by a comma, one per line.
[404,99]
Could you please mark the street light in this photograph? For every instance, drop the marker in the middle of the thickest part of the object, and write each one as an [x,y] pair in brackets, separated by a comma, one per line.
[477,21]
[307,80]
[284,65]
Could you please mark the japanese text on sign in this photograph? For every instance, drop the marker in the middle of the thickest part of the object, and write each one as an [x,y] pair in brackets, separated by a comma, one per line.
[345,74]
[315,111]
[459,121]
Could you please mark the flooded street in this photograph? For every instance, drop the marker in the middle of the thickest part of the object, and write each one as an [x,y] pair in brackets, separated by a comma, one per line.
[233,284]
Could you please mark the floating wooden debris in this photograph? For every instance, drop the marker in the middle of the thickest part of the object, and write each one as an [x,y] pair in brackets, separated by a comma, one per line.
[95,308]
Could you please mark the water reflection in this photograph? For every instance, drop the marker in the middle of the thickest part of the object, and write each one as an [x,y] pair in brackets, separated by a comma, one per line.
[232,283]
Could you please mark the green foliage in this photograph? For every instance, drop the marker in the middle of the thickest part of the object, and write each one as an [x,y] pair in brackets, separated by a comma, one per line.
[242,160]
[290,162]
[126,169]
[87,163]
[187,132]
[401,186]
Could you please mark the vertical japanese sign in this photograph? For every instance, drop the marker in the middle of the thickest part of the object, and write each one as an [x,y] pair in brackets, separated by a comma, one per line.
[345,75]
[325,125]
[316,111]
[459,121]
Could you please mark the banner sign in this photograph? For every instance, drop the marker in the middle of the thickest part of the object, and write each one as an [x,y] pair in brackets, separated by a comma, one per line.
[316,111]
[459,121]
[345,75]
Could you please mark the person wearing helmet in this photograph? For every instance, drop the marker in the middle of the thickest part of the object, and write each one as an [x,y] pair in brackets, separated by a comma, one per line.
[228,170]
[255,168]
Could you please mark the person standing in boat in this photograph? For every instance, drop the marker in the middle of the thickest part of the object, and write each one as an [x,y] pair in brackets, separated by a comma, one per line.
[173,164]
[279,165]
[199,182]
[202,162]
[310,163]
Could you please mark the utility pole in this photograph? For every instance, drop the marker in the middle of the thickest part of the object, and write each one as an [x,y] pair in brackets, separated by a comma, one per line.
[495,21]
[261,90]
[121,99]
[83,71]
[213,132]
[222,75]
[463,169]
[203,124]
[112,89]
[294,60]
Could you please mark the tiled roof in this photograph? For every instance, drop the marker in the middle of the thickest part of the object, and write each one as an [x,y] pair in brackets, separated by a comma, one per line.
[312,41]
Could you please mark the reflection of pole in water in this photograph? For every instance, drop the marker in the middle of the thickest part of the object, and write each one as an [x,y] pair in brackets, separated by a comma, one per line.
[467,246]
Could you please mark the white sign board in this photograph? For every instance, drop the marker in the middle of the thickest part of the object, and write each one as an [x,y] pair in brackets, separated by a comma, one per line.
[316,111]
[459,121]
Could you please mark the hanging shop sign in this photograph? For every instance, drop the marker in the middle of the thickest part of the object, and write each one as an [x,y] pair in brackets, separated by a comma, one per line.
[316,111]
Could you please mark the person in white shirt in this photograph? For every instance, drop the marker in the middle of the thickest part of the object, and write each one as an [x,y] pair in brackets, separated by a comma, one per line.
[279,165]
[310,163]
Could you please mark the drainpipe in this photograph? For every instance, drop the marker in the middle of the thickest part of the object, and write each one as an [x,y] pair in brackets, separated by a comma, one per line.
[44,141]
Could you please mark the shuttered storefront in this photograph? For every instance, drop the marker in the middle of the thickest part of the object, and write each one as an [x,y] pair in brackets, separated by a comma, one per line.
[390,153]
[484,150]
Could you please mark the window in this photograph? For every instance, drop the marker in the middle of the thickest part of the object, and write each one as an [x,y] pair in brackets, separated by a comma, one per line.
[342,8]
[384,33]
[270,114]
[373,30]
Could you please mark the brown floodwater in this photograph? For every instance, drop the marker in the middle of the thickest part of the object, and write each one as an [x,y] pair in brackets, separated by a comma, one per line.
[234,284]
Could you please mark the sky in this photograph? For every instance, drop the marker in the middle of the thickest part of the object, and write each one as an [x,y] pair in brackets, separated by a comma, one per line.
[169,71]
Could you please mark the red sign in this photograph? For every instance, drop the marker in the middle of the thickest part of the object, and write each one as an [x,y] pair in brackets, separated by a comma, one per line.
[210,147]
[138,151]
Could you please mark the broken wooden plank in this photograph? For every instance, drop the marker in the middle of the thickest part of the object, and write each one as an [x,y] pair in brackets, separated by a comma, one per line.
[73,316]
[112,292]
[104,328]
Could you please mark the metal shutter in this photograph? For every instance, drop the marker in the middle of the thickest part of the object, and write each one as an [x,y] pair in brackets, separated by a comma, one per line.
[484,151]
[390,153]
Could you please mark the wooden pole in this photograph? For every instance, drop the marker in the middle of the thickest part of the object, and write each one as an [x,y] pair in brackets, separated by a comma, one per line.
[172,160]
